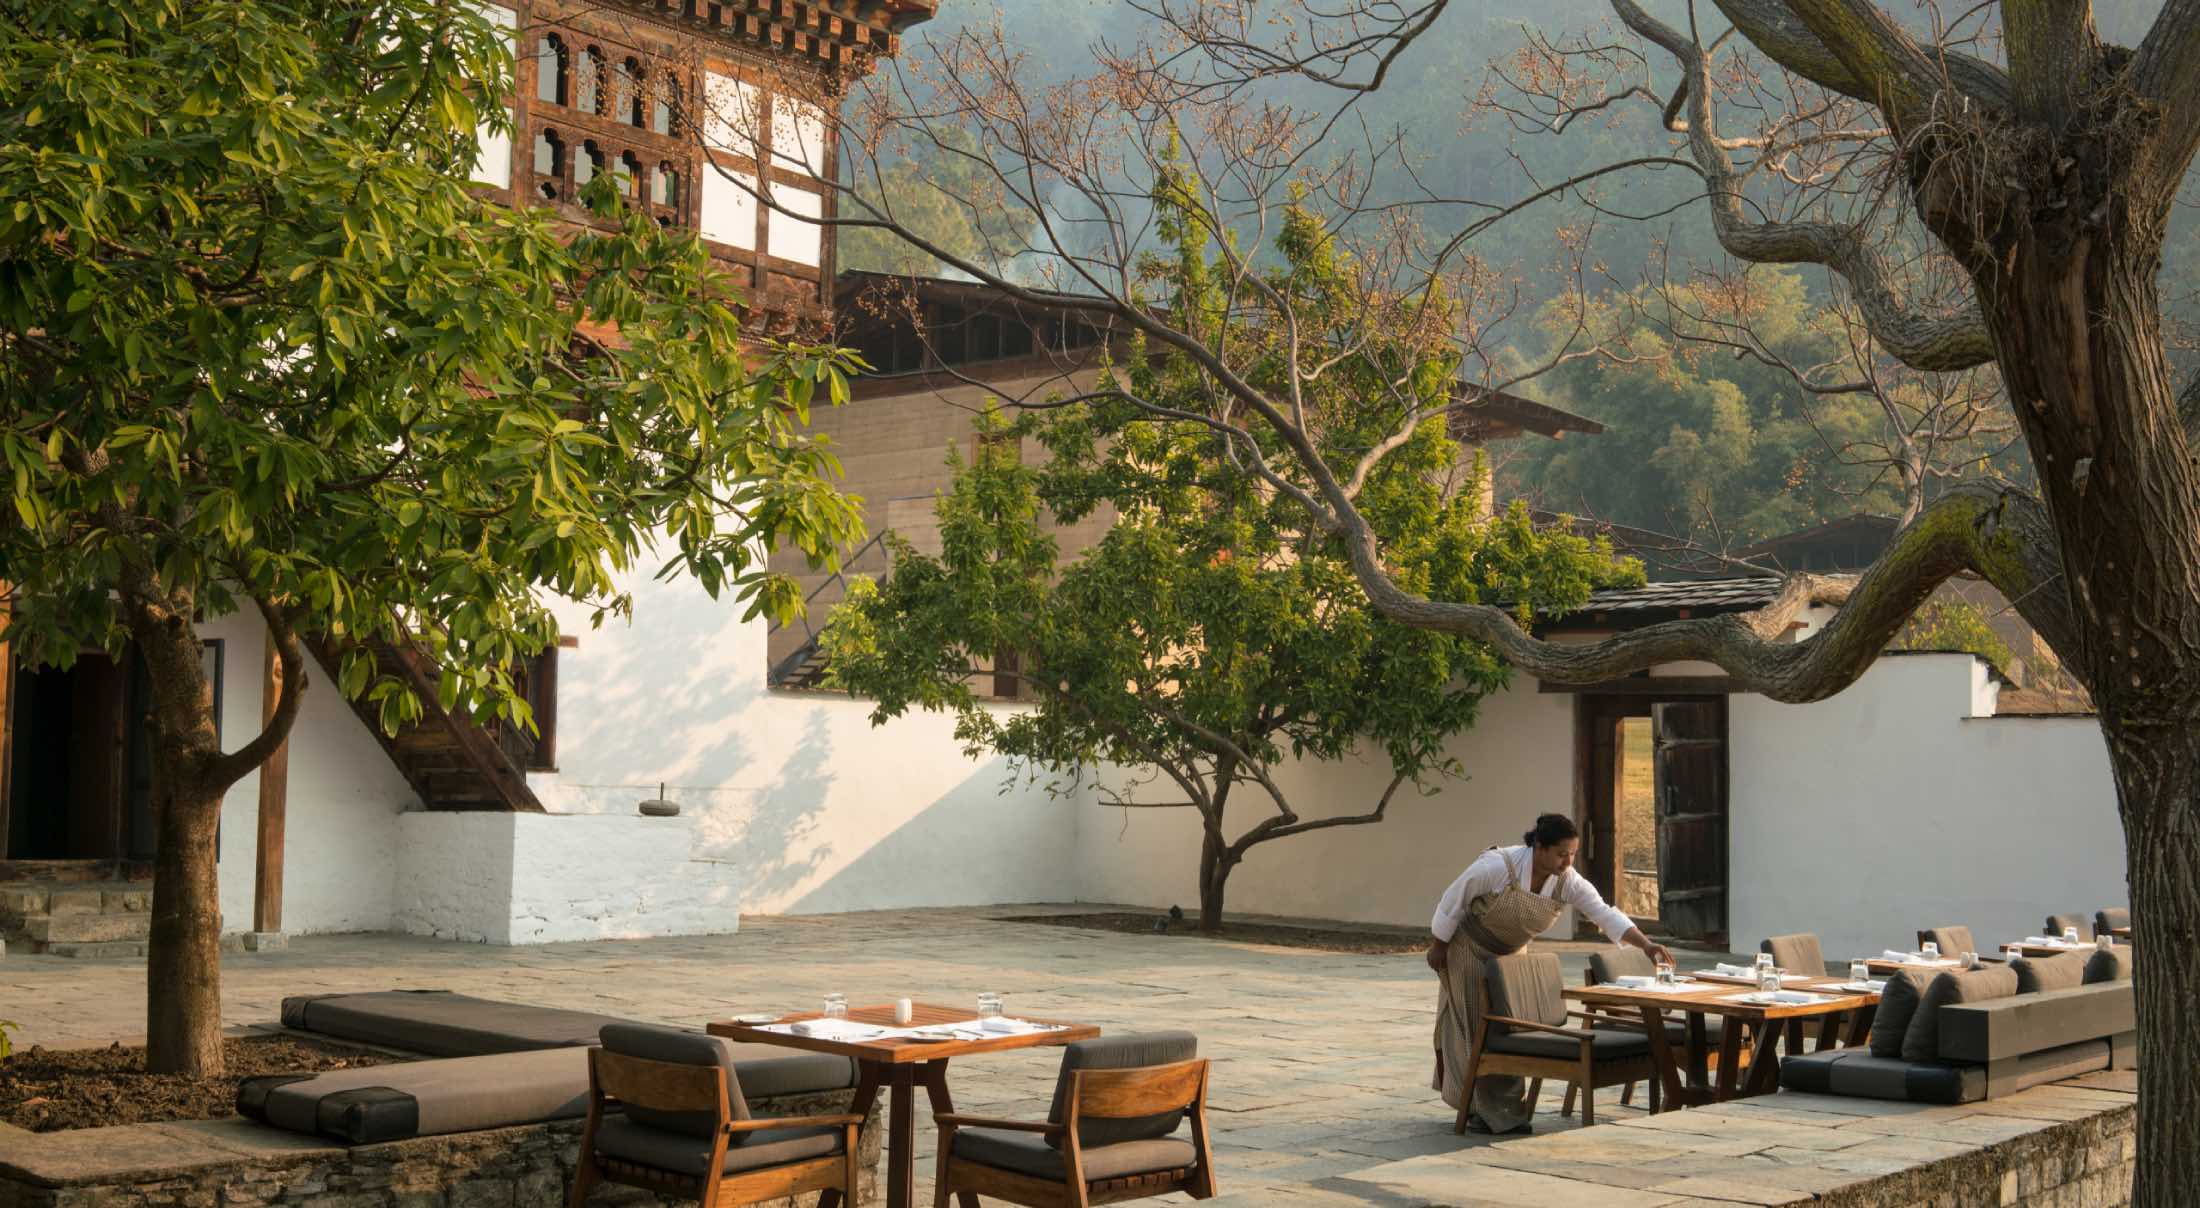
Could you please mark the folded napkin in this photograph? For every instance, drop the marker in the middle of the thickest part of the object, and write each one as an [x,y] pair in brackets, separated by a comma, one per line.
[1892,955]
[1002,1025]
[1634,981]
[1725,970]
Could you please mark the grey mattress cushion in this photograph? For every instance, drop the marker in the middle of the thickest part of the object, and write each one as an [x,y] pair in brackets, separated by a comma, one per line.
[1526,985]
[2108,965]
[2059,923]
[1120,1053]
[440,1023]
[2061,972]
[1922,1041]
[1028,1153]
[1953,941]
[424,1098]
[654,1043]
[2111,919]
[683,1154]
[1607,1044]
[1898,1001]
[1859,1073]
[1796,954]
[1611,964]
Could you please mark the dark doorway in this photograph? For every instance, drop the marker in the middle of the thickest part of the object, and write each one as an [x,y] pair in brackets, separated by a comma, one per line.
[81,781]
[1654,790]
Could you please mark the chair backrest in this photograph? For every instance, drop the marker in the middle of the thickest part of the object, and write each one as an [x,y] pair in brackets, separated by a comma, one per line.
[2059,923]
[712,1059]
[1798,953]
[2111,919]
[1953,941]
[1136,1052]
[1526,986]
[1141,1093]
[1611,964]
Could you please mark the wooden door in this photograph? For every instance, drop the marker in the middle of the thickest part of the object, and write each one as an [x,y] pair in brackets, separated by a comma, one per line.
[1690,776]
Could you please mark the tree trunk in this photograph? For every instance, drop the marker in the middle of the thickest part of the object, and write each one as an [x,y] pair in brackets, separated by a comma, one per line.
[1214,873]
[2158,785]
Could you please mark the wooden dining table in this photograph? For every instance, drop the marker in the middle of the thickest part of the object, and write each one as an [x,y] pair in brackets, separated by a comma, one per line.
[900,1065]
[1843,1017]
[2037,951]
[1881,967]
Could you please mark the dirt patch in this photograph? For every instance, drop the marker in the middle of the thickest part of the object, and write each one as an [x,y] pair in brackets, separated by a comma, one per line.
[45,1090]
[1365,941]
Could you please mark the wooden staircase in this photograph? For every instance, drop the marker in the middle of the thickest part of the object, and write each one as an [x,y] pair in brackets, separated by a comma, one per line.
[453,762]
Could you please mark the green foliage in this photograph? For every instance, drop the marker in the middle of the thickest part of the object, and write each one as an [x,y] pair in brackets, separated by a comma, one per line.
[8,1029]
[944,194]
[259,340]
[1955,625]
[1210,632]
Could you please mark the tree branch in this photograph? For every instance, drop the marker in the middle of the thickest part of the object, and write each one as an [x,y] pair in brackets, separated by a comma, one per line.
[1776,28]
[291,653]
[2166,72]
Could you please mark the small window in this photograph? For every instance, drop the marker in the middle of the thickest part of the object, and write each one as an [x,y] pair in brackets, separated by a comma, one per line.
[660,106]
[549,162]
[985,338]
[1015,339]
[666,190]
[588,80]
[629,171]
[550,78]
[587,164]
[630,102]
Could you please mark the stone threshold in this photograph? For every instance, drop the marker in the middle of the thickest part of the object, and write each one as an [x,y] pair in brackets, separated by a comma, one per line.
[2069,1143]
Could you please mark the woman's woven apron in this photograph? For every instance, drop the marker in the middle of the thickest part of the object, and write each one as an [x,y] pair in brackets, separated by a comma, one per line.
[1496,924]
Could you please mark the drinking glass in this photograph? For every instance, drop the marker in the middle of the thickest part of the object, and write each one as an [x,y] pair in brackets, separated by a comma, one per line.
[2104,940]
[2070,935]
[989,1005]
[1764,962]
[1768,979]
[836,1006]
[1930,950]
[1859,972]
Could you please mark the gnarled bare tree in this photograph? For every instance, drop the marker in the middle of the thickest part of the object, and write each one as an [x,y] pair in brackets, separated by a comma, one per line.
[2037,165]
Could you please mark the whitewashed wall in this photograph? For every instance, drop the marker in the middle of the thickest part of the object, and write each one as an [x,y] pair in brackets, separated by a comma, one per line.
[340,833]
[813,808]
[1896,805]
[543,878]
[1518,760]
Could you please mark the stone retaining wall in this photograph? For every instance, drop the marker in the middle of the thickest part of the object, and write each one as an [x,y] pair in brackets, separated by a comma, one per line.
[235,1163]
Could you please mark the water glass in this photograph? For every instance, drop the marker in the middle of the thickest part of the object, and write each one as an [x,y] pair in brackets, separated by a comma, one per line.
[1768,979]
[836,1006]
[1665,973]
[1930,950]
[989,1006]
[1764,962]
[1859,972]
[2070,935]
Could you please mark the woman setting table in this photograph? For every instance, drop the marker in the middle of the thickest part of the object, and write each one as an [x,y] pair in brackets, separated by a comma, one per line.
[1506,898]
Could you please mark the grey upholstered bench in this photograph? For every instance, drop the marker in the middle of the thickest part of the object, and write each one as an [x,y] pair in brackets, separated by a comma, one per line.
[423,1098]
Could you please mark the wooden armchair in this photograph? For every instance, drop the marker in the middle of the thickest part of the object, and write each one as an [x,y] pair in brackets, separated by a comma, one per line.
[1524,1032]
[1110,1135]
[685,1130]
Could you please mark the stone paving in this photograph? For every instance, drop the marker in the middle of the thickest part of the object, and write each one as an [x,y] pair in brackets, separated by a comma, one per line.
[1321,1059]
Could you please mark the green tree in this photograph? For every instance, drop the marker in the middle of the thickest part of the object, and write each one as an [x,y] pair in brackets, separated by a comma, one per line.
[1212,634]
[262,347]
[941,192]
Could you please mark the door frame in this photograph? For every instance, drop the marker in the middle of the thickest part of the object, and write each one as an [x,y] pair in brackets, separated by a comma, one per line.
[1597,714]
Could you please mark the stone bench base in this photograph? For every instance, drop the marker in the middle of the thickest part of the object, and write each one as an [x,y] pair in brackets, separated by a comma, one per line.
[235,1163]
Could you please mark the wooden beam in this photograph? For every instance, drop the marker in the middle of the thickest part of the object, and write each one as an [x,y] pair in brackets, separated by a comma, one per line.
[7,718]
[1651,685]
[267,876]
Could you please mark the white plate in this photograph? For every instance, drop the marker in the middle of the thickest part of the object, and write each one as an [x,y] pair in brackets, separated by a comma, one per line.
[757,1018]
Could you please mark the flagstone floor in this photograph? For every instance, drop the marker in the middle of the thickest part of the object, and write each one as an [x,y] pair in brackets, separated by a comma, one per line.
[1321,1059]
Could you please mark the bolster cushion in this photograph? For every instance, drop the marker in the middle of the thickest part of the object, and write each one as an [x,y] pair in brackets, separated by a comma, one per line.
[2108,965]
[2038,973]
[1898,1001]
[1922,1041]
[1853,1071]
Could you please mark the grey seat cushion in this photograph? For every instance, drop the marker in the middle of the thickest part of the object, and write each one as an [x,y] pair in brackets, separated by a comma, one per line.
[2065,971]
[1028,1153]
[423,1098]
[440,1023]
[1119,1053]
[1898,1001]
[1922,1041]
[2059,923]
[1953,941]
[653,1043]
[1856,1072]
[2112,919]
[622,1138]
[1606,1044]
[1526,985]
[1796,954]
[2108,965]
[1611,964]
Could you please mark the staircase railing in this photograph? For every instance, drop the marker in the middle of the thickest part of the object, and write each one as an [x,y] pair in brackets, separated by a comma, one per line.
[790,668]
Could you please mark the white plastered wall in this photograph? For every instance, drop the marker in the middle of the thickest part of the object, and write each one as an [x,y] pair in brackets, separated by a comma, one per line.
[342,805]
[1901,803]
[1518,761]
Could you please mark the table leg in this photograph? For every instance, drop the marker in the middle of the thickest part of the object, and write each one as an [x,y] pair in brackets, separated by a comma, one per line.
[1662,1060]
[901,1141]
[934,1074]
[1699,1048]
[867,1081]
[1730,1054]
[1764,1068]
[1829,1032]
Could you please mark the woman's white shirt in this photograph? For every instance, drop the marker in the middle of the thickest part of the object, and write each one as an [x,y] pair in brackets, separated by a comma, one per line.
[1501,867]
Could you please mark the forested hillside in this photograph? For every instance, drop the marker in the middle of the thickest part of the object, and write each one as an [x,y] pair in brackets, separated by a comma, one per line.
[1711,434]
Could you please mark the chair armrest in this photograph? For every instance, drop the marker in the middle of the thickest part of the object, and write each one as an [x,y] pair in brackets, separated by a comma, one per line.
[1528,1026]
[961,1121]
[1611,1023]
[741,1126]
